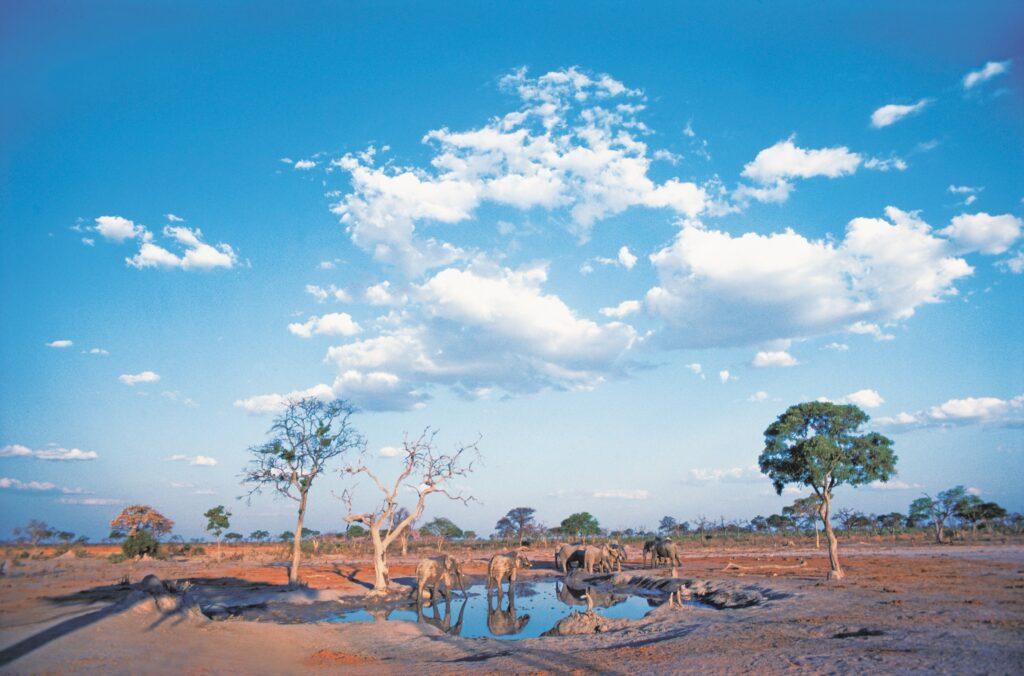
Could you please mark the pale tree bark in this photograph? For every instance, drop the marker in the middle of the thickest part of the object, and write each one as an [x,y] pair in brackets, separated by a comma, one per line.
[435,471]
[293,570]
[835,571]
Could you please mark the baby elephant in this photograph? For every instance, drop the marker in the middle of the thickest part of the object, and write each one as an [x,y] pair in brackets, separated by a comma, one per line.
[435,573]
[505,567]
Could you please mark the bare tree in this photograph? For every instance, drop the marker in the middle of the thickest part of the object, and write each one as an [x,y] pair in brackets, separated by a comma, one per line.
[403,539]
[425,471]
[304,437]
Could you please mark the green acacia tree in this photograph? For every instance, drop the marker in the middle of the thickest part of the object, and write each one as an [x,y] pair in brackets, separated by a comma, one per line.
[217,521]
[580,524]
[820,445]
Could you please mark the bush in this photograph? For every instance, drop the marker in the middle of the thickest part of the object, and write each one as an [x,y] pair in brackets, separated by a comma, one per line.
[116,558]
[140,543]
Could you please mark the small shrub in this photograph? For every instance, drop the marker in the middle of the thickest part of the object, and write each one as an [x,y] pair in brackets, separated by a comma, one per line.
[116,558]
[140,543]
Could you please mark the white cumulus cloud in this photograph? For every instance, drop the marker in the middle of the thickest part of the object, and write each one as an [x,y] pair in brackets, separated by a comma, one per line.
[986,72]
[197,460]
[275,403]
[773,358]
[983,233]
[866,398]
[132,379]
[623,309]
[893,113]
[966,411]
[331,324]
[716,289]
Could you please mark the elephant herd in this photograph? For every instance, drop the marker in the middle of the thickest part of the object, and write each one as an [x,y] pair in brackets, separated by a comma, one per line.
[436,577]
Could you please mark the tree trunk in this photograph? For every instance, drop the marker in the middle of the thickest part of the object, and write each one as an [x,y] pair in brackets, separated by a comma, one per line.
[835,571]
[380,565]
[938,531]
[405,544]
[817,536]
[293,571]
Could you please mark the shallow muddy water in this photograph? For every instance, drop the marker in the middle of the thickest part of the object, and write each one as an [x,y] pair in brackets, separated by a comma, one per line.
[532,610]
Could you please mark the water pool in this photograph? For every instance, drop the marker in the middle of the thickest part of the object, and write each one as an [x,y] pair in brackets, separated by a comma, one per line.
[532,610]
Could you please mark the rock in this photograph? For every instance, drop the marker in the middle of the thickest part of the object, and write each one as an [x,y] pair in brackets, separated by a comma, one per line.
[152,584]
[584,623]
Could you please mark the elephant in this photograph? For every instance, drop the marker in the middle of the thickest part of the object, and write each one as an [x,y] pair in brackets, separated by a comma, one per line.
[505,622]
[438,574]
[591,558]
[649,550]
[616,555]
[572,596]
[666,551]
[562,556]
[444,623]
[504,567]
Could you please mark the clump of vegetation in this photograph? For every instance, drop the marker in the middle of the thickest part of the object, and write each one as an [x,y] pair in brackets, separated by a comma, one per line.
[140,543]
[141,527]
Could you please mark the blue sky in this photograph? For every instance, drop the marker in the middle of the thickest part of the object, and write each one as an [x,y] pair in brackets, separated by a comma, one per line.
[557,228]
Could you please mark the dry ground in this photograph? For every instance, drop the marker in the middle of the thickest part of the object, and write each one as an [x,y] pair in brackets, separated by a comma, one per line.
[951,609]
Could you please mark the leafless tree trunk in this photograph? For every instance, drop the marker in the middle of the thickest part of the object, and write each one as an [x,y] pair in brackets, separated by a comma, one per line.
[293,570]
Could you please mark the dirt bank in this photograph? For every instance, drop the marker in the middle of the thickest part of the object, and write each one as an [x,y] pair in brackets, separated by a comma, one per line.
[936,608]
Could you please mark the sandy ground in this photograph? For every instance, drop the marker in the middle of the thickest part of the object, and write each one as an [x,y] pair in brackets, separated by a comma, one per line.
[949,609]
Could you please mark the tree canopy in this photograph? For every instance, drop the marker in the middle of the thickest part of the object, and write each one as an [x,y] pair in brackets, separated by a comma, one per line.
[134,518]
[580,523]
[442,527]
[817,444]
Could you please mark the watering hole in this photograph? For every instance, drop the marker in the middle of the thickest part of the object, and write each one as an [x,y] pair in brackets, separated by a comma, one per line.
[532,610]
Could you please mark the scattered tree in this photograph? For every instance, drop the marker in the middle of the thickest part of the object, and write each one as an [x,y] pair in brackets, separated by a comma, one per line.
[35,532]
[580,524]
[938,510]
[443,529]
[425,471]
[217,521]
[817,444]
[668,525]
[259,535]
[403,538]
[354,530]
[135,518]
[304,438]
[516,523]
[234,538]
[892,522]
[805,510]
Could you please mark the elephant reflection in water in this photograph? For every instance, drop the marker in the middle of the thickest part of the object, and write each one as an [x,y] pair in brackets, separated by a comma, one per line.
[505,622]
[578,597]
[442,622]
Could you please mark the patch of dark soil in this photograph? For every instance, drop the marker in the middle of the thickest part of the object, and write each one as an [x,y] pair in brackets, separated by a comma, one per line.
[859,633]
